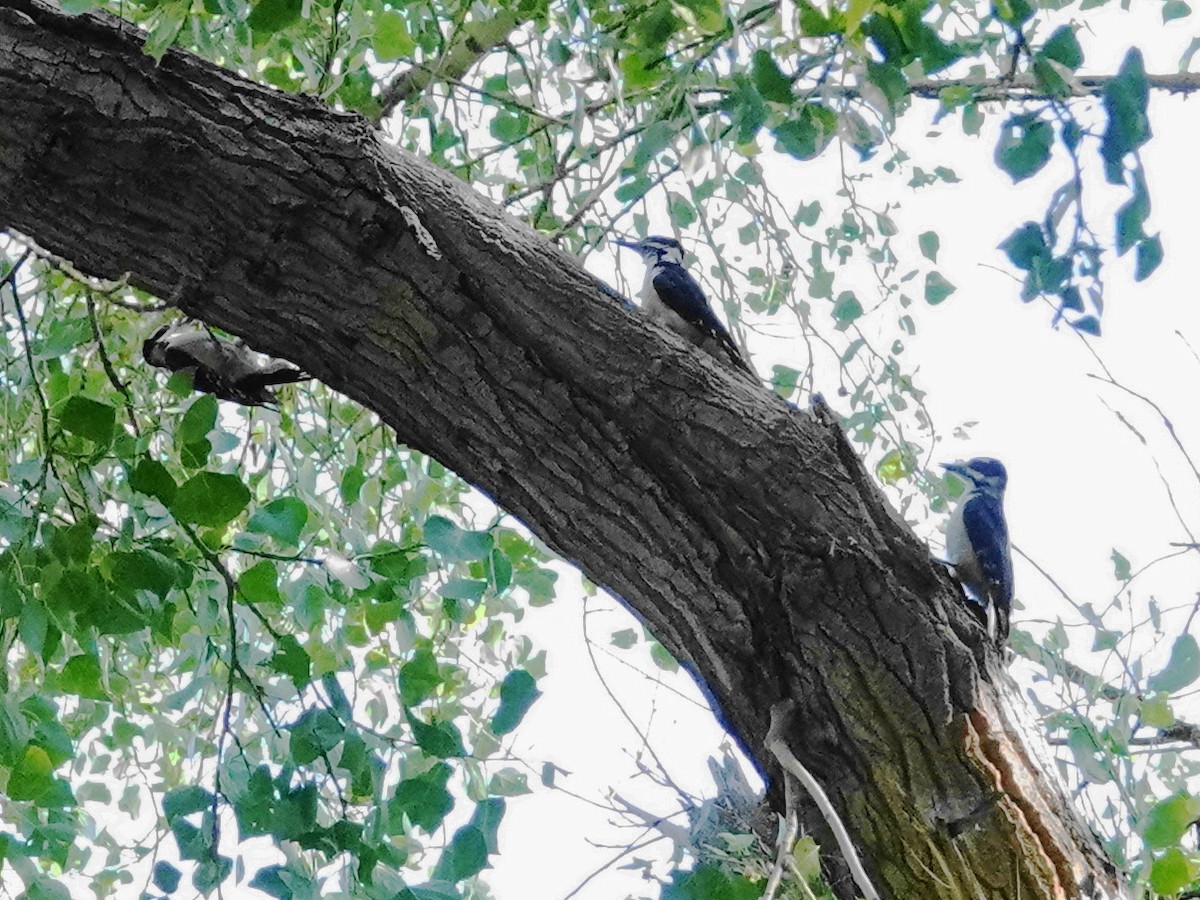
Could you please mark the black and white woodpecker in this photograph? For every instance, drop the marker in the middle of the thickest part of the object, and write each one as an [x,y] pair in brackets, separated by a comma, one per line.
[977,541]
[227,369]
[671,297]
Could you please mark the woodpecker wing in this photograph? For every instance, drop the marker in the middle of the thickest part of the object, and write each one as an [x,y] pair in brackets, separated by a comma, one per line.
[987,532]
[679,291]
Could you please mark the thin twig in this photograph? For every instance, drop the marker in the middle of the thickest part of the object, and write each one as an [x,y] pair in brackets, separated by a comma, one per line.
[776,744]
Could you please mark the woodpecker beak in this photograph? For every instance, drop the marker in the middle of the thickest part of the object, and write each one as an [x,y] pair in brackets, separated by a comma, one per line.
[958,469]
[632,245]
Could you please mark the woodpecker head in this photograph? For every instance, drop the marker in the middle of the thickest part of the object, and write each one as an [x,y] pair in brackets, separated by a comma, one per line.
[657,249]
[982,473]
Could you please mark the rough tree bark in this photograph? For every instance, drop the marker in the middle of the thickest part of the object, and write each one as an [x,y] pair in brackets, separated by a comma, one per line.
[743,530]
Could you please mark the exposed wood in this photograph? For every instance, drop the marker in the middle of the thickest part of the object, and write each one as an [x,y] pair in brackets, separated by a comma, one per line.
[744,531]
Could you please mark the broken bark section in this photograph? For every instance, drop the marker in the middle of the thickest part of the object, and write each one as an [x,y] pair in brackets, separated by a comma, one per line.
[744,531]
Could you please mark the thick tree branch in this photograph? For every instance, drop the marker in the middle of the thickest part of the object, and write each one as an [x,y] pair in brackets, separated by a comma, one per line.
[745,532]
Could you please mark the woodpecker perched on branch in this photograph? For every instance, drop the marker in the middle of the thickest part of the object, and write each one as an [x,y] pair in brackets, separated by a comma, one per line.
[977,541]
[228,369]
[671,296]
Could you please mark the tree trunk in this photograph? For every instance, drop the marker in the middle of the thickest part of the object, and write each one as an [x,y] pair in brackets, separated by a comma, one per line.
[743,530]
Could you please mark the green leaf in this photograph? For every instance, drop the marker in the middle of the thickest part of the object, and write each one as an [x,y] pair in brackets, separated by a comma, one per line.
[211,499]
[317,731]
[662,657]
[517,693]
[32,776]
[419,678]
[1083,747]
[353,480]
[1181,669]
[198,421]
[282,519]
[806,135]
[14,732]
[75,7]
[1167,820]
[1120,567]
[260,583]
[441,739]
[1156,712]
[87,418]
[1014,12]
[423,799]
[211,872]
[1171,873]
[430,891]
[151,477]
[269,881]
[290,659]
[1149,257]
[815,23]
[463,589]
[508,783]
[656,138]
[769,79]
[1175,9]
[937,288]
[1063,47]
[894,467]
[184,801]
[454,543]
[930,244]
[1026,246]
[82,675]
[1126,98]
[1024,146]
[709,882]
[889,79]
[392,39]
[846,309]
[165,877]
[169,19]
[464,856]
[625,638]
[269,16]
[807,855]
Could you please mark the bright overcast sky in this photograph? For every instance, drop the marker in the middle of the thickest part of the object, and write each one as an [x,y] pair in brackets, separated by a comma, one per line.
[1080,482]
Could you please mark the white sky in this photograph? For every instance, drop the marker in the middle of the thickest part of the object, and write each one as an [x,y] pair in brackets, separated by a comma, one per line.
[1080,484]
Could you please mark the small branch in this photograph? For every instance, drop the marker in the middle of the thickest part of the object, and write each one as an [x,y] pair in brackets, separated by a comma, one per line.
[1026,87]
[777,746]
[98,285]
[789,827]
[1095,686]
[108,366]
[474,42]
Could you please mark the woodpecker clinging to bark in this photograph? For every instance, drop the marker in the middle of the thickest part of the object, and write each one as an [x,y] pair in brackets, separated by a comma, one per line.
[671,296]
[977,541]
[227,369]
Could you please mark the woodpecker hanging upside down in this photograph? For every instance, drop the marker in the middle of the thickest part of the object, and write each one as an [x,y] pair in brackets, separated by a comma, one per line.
[228,369]
[671,297]
[977,541]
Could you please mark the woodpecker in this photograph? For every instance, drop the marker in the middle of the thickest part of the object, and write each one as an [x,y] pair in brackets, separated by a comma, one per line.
[228,369]
[671,297]
[977,541]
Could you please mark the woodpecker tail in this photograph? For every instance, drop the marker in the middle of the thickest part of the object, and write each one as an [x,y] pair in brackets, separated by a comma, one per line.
[735,355]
